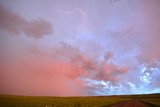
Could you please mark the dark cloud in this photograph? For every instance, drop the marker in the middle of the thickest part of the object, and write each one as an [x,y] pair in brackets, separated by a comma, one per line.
[11,21]
[108,55]
[16,24]
[38,28]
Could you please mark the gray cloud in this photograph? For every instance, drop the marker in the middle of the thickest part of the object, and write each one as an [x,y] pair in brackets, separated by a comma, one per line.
[16,24]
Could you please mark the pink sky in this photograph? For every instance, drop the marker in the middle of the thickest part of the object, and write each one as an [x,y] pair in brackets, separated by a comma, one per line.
[79,47]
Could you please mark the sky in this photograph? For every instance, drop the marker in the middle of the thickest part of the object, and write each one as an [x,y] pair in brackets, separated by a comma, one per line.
[79,47]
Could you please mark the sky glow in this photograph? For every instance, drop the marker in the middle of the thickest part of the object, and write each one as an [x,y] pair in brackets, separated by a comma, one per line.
[79,47]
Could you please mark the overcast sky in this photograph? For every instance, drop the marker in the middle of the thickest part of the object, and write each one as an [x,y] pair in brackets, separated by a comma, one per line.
[79,47]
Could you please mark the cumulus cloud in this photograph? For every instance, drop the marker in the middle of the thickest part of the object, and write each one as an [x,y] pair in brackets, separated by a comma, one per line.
[16,24]
[86,67]
[66,68]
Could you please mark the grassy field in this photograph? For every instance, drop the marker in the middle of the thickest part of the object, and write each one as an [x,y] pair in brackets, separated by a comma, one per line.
[94,101]
[28,101]
[150,98]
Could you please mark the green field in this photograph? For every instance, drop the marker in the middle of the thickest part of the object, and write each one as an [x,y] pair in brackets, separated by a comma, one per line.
[93,101]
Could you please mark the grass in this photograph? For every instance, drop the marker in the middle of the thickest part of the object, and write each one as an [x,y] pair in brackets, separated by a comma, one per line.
[92,101]
[153,99]
[30,101]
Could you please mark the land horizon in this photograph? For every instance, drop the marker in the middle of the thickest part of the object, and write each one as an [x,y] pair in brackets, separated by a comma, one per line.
[152,100]
[77,95]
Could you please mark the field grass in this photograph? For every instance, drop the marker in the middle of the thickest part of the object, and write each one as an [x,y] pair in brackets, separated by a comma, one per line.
[28,101]
[150,98]
[92,101]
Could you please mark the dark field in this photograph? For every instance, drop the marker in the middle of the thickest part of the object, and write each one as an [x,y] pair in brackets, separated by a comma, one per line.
[92,101]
